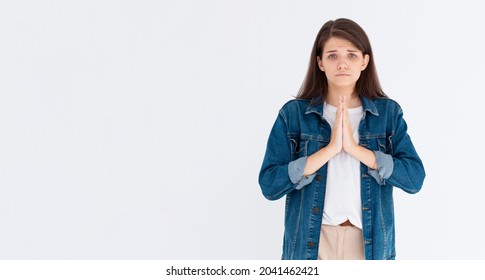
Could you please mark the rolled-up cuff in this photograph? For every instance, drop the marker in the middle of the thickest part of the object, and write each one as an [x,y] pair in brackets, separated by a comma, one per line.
[385,166]
[295,171]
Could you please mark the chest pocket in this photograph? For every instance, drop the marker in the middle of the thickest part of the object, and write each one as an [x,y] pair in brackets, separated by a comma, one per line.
[305,145]
[382,143]
[299,147]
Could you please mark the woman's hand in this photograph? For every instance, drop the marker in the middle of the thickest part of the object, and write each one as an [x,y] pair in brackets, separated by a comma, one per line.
[336,138]
[342,134]
[348,142]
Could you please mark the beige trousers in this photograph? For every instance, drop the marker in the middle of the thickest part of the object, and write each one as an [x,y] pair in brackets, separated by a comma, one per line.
[340,243]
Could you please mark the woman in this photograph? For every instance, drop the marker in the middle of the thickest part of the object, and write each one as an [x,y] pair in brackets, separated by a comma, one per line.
[337,151]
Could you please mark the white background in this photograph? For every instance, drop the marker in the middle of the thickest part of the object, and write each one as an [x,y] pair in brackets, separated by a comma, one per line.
[136,129]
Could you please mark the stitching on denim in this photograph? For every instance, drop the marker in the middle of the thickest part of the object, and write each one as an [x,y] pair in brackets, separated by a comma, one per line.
[298,219]
[383,225]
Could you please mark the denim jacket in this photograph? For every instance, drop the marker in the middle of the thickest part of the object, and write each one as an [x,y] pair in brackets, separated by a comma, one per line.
[299,131]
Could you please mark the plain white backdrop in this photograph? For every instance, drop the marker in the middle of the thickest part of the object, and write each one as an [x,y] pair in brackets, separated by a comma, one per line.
[136,129]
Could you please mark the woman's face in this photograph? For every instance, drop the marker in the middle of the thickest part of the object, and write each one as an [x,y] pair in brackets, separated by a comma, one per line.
[342,63]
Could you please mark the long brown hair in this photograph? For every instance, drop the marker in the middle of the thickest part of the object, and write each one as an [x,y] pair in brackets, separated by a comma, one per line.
[315,83]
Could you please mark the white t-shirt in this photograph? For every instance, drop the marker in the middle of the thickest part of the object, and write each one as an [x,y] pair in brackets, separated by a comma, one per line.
[342,194]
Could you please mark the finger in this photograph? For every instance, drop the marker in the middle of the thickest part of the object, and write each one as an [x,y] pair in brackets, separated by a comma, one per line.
[338,122]
[344,112]
[344,104]
[345,115]
[339,118]
[346,120]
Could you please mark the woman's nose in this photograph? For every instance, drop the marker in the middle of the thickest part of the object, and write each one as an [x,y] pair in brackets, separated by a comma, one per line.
[342,66]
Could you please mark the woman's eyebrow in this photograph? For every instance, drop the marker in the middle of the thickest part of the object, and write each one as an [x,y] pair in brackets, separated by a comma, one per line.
[332,51]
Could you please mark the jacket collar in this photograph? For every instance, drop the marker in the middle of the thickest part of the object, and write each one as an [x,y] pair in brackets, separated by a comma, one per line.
[316,106]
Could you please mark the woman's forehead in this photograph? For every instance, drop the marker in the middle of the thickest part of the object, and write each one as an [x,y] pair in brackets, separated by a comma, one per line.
[338,43]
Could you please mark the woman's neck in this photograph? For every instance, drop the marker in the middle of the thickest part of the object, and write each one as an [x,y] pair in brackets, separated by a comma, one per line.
[351,99]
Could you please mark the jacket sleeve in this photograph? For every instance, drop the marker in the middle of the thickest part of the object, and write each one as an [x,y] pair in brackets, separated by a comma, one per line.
[402,168]
[279,174]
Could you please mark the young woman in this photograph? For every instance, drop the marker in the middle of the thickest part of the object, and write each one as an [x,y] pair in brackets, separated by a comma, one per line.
[337,151]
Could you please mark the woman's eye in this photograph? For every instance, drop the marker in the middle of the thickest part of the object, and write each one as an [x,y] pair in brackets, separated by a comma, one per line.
[332,56]
[352,55]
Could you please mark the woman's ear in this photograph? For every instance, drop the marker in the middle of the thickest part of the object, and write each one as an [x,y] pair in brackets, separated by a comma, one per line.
[365,62]
[320,64]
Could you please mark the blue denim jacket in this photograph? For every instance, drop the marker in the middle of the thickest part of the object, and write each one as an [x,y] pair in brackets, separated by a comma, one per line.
[299,131]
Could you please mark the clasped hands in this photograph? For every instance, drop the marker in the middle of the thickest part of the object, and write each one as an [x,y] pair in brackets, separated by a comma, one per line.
[342,134]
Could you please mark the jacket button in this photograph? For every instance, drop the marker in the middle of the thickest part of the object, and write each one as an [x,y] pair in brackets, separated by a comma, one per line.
[315,210]
[311,244]
[318,178]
